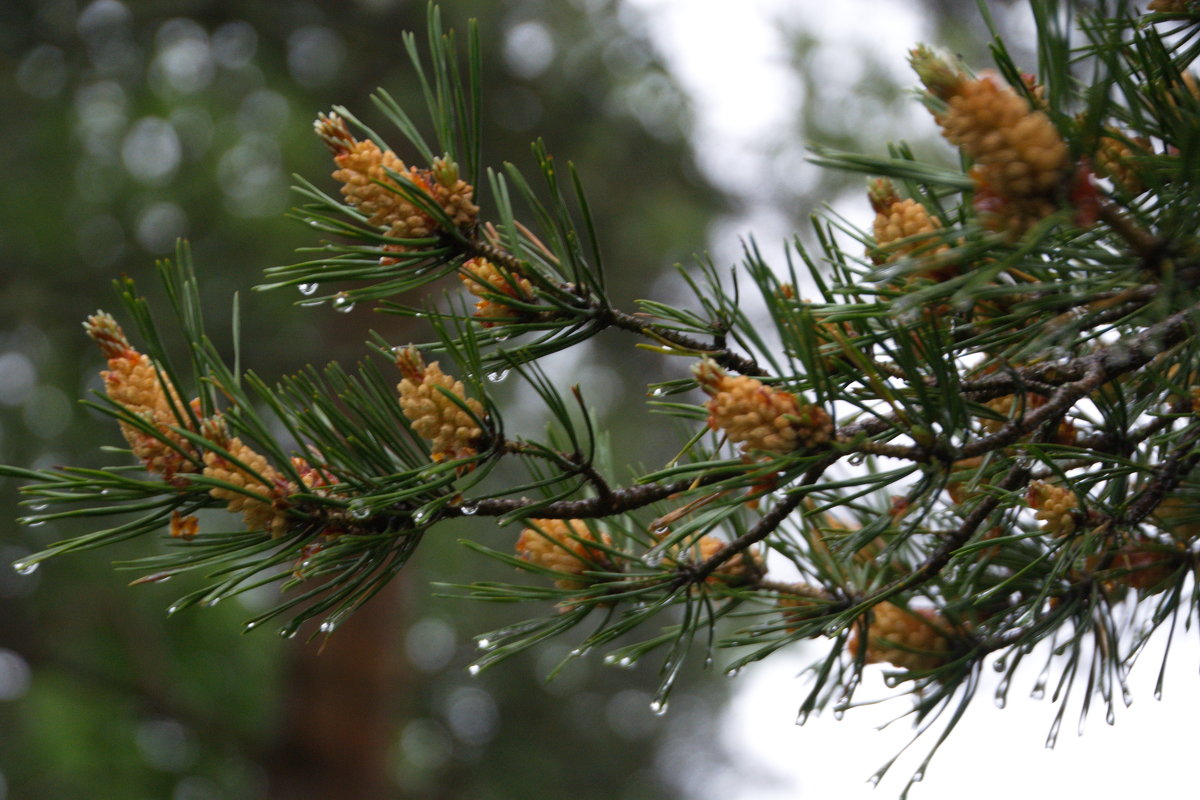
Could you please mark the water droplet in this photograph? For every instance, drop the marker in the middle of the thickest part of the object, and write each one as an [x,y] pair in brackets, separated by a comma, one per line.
[421,516]
[578,652]
[1038,692]
[1052,736]
[1158,693]
[1126,696]
[1002,693]
[310,303]
[468,509]
[251,625]
[288,632]
[342,304]
[874,779]
[473,669]
[733,673]
[39,506]
[501,336]
[918,776]
[625,662]
[174,608]
[498,375]
[839,713]
[209,602]
[657,391]
[484,644]
[307,289]
[998,665]
[31,522]
[25,567]
[658,707]
[328,626]
[891,681]
[856,460]
[1111,716]
[359,510]
[662,529]
[802,717]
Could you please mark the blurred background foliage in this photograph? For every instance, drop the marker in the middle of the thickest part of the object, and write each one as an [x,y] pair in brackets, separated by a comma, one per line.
[130,123]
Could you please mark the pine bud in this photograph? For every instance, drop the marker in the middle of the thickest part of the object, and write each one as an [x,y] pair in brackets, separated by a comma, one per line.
[904,228]
[483,279]
[363,169]
[425,398]
[1020,149]
[760,417]
[565,546]
[452,193]
[257,490]
[912,639]
[133,381]
[1116,159]
[332,130]
[1021,160]
[940,78]
[1056,507]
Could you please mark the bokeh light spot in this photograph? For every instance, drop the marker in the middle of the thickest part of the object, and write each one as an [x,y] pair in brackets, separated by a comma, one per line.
[234,43]
[529,49]
[151,151]
[315,54]
[159,225]
[430,644]
[42,72]
[17,378]
[47,412]
[15,675]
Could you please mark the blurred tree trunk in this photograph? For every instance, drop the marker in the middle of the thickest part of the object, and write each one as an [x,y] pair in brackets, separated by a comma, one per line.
[339,715]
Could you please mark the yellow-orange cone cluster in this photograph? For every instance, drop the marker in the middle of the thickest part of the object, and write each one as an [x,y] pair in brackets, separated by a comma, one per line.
[1179,517]
[313,477]
[759,417]
[452,432]
[363,170]
[566,546]
[485,280]
[184,527]
[1116,159]
[257,490]
[1056,507]
[904,227]
[913,639]
[133,381]
[740,568]
[799,602]
[1021,161]
[1143,565]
